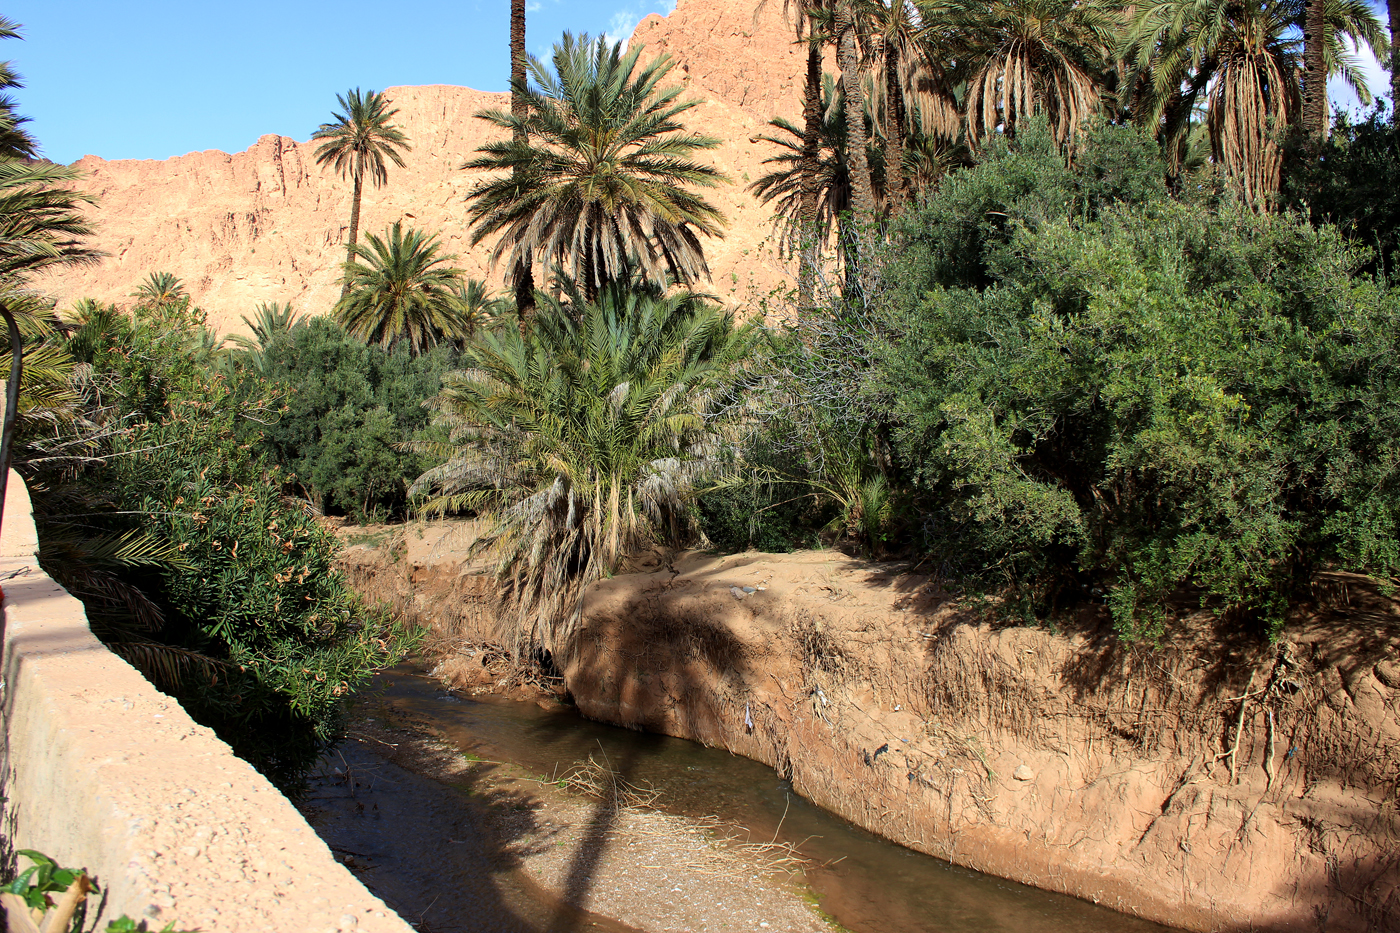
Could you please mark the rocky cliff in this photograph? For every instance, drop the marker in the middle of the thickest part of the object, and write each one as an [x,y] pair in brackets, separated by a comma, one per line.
[268,224]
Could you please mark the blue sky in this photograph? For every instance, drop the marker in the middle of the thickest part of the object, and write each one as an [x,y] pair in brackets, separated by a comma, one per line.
[151,79]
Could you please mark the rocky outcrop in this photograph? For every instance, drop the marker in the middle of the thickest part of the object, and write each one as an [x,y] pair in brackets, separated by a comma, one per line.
[740,51]
[268,224]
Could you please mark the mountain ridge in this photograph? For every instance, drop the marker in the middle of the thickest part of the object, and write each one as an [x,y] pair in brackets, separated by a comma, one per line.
[267,224]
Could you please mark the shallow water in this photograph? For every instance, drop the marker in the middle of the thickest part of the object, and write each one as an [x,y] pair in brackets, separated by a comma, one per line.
[866,884]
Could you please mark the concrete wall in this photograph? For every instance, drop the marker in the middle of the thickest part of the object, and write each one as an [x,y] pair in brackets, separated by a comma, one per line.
[103,771]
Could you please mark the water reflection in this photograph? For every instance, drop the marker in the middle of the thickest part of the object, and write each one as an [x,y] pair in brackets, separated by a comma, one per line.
[868,885]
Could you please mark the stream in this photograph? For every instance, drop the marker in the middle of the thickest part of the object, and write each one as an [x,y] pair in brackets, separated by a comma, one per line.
[865,883]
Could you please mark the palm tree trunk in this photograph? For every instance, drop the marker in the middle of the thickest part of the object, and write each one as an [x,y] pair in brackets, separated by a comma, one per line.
[588,272]
[811,167]
[7,434]
[1314,71]
[1393,9]
[523,277]
[518,107]
[862,193]
[354,230]
[894,132]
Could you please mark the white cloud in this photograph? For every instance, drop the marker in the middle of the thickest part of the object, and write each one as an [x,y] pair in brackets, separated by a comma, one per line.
[622,24]
[532,7]
[624,21]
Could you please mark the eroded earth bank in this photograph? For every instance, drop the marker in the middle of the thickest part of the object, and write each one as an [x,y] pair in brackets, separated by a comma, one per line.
[1208,783]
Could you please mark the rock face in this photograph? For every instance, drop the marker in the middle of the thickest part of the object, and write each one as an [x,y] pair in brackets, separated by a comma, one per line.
[268,224]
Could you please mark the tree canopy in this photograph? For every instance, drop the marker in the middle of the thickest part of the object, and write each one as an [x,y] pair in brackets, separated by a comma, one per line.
[596,177]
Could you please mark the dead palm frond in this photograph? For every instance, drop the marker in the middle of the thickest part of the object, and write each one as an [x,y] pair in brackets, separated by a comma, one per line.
[167,666]
[1028,57]
[1244,61]
[94,566]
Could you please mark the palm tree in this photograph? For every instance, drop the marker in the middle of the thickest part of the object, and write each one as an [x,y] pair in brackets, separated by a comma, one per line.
[1243,59]
[606,167]
[403,290]
[1393,18]
[587,440]
[158,290]
[1028,56]
[15,143]
[476,306]
[1314,110]
[785,184]
[912,83]
[41,226]
[862,188]
[356,144]
[267,322]
[522,275]
[808,19]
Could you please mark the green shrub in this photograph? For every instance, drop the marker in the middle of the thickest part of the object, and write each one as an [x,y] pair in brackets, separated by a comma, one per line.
[764,511]
[963,235]
[1354,182]
[349,410]
[171,526]
[1158,399]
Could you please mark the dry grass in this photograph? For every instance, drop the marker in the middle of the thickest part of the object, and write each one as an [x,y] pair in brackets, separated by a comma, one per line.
[729,848]
[601,782]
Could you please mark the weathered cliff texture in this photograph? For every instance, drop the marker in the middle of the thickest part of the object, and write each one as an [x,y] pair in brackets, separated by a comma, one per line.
[1134,777]
[268,224]
[739,51]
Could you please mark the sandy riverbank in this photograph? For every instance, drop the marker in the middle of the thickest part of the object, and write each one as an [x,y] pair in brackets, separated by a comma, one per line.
[454,843]
[1215,782]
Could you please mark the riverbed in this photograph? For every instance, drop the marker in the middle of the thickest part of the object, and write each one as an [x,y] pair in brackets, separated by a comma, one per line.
[863,883]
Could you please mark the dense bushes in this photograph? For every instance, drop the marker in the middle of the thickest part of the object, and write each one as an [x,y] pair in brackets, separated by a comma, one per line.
[775,509]
[162,515]
[1140,394]
[348,412]
[1353,181]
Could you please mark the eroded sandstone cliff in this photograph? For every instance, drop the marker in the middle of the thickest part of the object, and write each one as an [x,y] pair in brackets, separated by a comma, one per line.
[267,224]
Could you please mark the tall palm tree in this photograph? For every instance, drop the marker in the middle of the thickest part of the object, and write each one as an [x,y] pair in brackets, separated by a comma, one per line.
[1393,18]
[607,168]
[41,226]
[912,82]
[586,440]
[402,290]
[1314,110]
[785,184]
[15,143]
[1243,59]
[811,150]
[1029,56]
[862,189]
[357,144]
[522,275]
[809,16]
